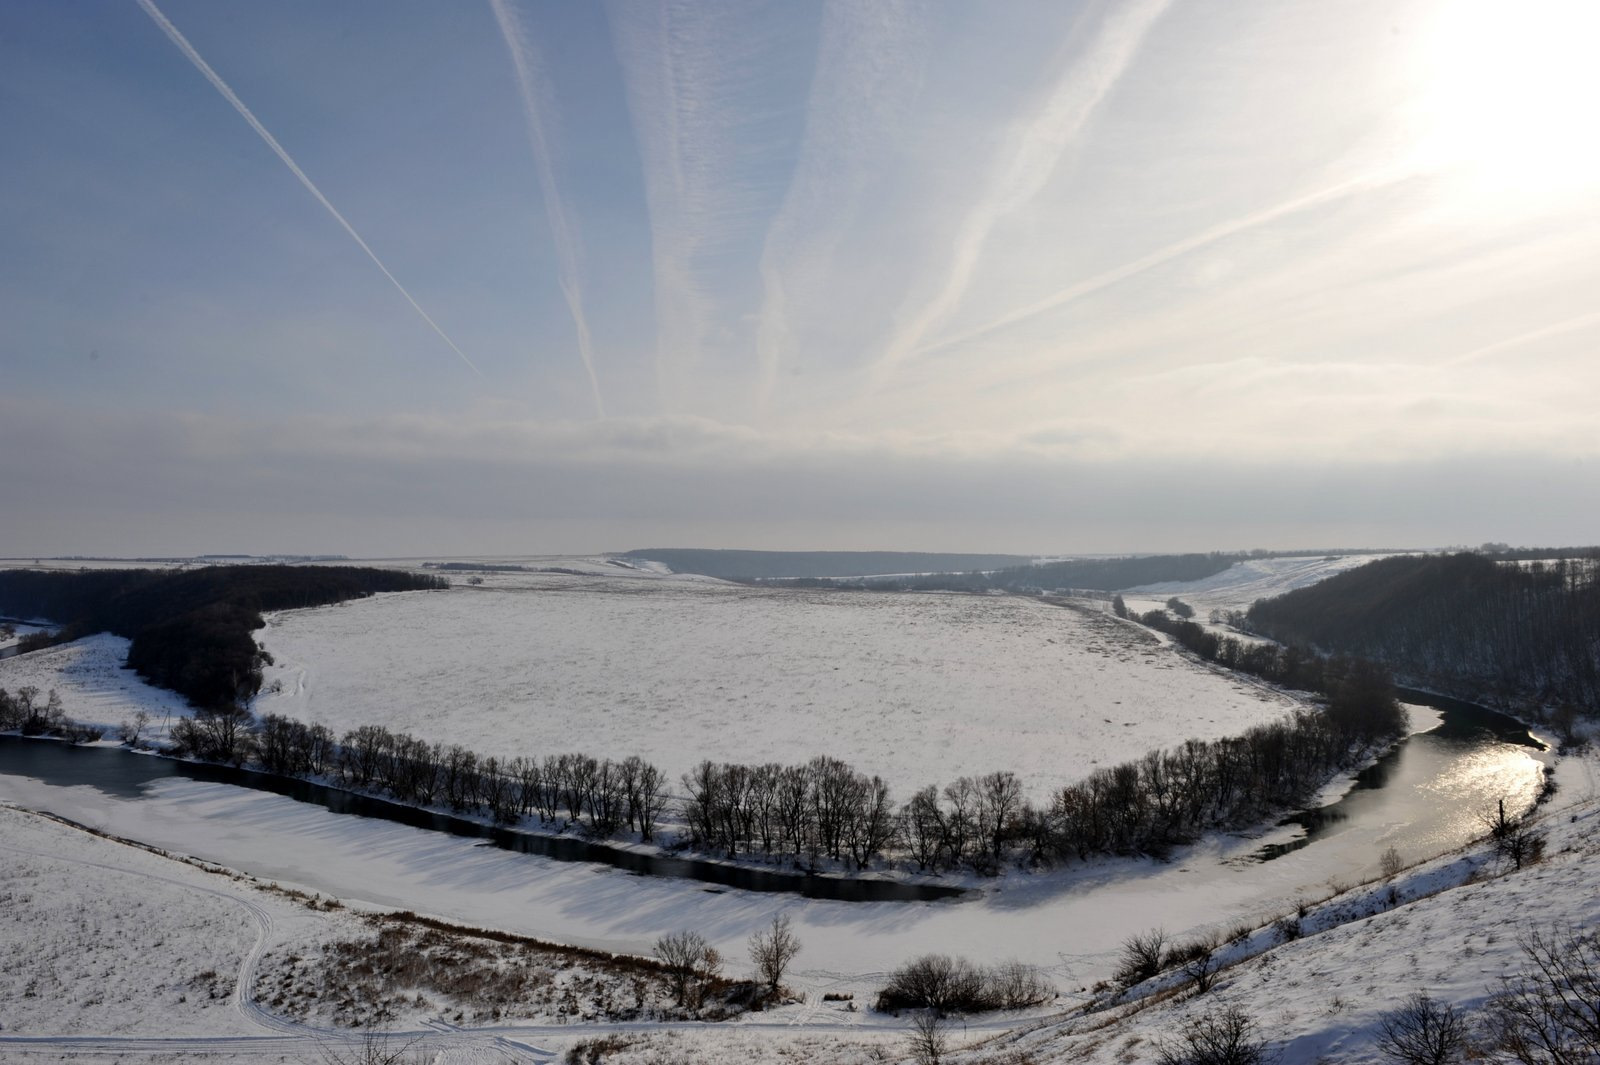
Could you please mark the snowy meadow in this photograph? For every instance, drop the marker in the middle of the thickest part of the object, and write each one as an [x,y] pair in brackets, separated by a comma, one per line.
[916,688]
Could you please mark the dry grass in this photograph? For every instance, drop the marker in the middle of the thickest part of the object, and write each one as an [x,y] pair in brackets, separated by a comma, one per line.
[408,964]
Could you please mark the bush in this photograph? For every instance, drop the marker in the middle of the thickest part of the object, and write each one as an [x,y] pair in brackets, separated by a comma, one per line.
[1142,956]
[944,985]
[1423,1032]
[1201,964]
[1226,1037]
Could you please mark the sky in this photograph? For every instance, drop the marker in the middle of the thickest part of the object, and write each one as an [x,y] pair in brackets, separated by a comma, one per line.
[513,277]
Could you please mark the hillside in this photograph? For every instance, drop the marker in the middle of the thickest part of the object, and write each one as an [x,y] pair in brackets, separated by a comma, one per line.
[189,630]
[1467,623]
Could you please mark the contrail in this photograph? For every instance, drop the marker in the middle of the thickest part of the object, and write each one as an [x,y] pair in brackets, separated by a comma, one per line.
[1569,325]
[1030,161]
[868,72]
[244,112]
[525,57]
[1327,194]
[692,72]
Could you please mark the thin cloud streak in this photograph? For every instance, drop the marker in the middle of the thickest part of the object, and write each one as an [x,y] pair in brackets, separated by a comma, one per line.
[693,73]
[1328,194]
[653,71]
[865,84]
[539,112]
[228,94]
[1032,157]
[1569,325]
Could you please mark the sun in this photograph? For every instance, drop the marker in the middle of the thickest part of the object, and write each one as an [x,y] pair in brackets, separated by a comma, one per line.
[1510,101]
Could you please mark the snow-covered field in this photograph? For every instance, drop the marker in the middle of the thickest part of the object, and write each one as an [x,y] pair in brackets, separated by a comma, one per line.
[101,938]
[918,688]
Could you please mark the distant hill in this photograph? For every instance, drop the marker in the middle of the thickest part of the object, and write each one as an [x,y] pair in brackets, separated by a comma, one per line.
[752,565]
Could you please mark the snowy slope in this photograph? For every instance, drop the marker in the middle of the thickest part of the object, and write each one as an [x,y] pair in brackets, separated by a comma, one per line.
[1241,584]
[94,686]
[1456,933]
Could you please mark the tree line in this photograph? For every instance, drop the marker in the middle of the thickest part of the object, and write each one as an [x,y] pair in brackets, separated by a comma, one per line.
[603,796]
[189,630]
[1471,624]
[826,810]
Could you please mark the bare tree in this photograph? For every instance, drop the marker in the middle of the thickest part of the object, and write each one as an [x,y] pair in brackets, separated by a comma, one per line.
[1391,862]
[772,949]
[929,1037]
[1549,1014]
[691,963]
[1514,840]
[134,726]
[1423,1032]
[1000,800]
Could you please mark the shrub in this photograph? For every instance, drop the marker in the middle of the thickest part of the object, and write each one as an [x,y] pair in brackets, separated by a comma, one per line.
[944,985]
[935,982]
[1142,955]
[1201,965]
[1423,1032]
[1225,1037]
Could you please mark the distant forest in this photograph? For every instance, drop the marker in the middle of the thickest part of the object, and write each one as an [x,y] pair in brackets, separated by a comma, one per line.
[1079,574]
[1468,623]
[756,565]
[190,629]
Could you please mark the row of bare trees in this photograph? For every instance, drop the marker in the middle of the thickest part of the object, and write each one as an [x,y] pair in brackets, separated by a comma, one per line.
[1164,798]
[822,809]
[602,795]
